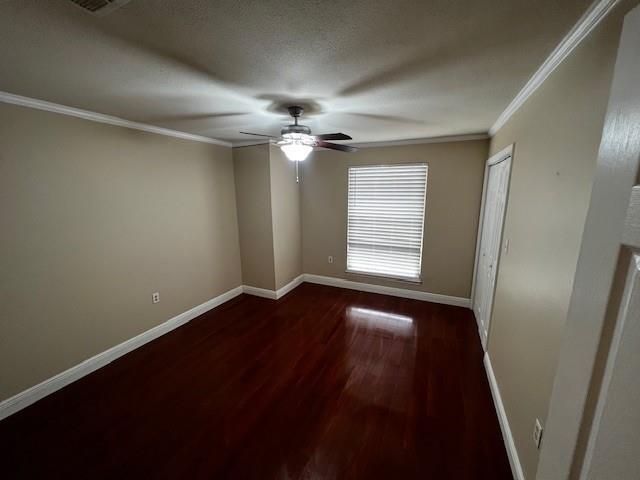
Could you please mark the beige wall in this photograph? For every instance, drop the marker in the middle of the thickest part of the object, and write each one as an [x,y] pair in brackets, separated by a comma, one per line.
[268,200]
[94,218]
[285,211]
[454,190]
[556,135]
[253,194]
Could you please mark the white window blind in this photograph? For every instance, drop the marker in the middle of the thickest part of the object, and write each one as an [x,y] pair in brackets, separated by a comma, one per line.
[386,220]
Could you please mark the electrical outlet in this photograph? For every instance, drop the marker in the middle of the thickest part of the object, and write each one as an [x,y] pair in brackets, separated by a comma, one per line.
[537,433]
[330,259]
[155,297]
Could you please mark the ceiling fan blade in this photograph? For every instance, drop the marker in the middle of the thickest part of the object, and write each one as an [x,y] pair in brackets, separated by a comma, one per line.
[259,134]
[333,136]
[336,146]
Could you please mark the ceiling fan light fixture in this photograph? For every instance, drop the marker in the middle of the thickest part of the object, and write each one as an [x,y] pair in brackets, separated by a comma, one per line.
[297,146]
[297,142]
[296,152]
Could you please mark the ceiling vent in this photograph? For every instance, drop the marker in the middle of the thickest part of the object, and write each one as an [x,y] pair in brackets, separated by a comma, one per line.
[100,7]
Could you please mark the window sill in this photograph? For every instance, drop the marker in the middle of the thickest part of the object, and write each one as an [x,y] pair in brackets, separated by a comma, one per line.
[385,277]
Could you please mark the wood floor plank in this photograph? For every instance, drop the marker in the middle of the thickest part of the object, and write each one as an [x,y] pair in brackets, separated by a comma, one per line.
[324,383]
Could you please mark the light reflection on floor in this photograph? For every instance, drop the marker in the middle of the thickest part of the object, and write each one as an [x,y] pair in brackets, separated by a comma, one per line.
[382,364]
[393,322]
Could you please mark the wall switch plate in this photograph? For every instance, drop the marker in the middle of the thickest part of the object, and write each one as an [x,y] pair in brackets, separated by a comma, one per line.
[155,297]
[330,259]
[537,433]
[506,246]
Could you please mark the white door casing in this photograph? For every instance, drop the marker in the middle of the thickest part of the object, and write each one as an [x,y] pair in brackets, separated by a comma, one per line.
[597,367]
[613,449]
[490,229]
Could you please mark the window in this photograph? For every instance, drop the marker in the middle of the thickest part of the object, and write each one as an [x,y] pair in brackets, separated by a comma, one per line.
[385,220]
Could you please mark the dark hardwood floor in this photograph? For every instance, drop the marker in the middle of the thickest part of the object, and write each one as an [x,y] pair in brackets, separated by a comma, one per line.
[323,384]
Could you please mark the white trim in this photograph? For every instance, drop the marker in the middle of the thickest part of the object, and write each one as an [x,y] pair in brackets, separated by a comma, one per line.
[504,154]
[512,452]
[282,291]
[415,141]
[13,99]
[477,254]
[594,291]
[273,294]
[579,32]
[393,291]
[628,311]
[259,292]
[31,395]
[363,287]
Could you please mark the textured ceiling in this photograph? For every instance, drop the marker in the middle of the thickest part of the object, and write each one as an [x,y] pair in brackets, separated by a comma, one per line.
[377,70]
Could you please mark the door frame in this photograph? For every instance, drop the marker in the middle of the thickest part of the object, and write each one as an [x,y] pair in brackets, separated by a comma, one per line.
[506,154]
[577,381]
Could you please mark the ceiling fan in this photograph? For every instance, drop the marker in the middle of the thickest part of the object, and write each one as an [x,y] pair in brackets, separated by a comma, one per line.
[297,142]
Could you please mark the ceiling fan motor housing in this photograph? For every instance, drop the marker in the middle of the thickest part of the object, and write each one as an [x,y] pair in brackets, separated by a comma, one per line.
[296,140]
[295,111]
[295,129]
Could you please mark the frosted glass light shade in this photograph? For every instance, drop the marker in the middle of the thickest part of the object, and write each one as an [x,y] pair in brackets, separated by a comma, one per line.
[296,151]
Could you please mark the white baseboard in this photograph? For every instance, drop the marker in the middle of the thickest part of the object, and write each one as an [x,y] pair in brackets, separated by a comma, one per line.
[41,390]
[273,294]
[512,452]
[31,395]
[259,292]
[394,291]
[281,292]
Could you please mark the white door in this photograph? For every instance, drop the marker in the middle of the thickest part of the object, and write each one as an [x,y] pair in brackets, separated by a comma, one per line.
[490,237]
[613,450]
[593,427]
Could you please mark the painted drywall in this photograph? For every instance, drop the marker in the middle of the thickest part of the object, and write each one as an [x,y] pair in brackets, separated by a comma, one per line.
[268,200]
[253,197]
[285,211]
[556,134]
[94,219]
[454,190]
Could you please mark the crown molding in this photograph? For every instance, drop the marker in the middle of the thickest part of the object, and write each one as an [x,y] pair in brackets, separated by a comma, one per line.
[417,141]
[596,12]
[13,99]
